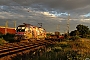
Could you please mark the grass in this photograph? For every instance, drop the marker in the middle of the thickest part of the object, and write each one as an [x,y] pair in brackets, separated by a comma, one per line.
[81,47]
[2,41]
[70,50]
[66,50]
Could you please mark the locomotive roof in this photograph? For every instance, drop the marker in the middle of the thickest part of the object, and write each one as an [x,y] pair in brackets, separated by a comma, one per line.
[21,26]
[26,25]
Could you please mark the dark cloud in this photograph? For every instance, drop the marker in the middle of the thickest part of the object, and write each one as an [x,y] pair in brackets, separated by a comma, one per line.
[59,4]
[46,5]
[64,4]
[5,2]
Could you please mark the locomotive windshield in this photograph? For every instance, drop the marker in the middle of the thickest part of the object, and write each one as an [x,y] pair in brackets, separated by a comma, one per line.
[20,29]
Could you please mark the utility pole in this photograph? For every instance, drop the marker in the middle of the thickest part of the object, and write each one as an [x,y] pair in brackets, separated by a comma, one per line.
[15,25]
[68,24]
[6,25]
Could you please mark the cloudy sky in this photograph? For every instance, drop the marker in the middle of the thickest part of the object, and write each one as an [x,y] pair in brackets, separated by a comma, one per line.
[51,13]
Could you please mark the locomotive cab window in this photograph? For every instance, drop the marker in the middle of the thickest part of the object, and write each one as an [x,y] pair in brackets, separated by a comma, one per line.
[23,27]
[20,29]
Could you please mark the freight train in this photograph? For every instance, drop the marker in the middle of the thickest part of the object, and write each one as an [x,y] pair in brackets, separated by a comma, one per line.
[28,31]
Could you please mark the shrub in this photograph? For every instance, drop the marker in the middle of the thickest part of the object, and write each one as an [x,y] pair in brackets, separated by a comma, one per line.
[57,49]
[1,35]
[74,38]
[9,37]
[2,41]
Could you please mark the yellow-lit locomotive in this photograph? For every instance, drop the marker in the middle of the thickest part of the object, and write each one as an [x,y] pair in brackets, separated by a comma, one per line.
[28,31]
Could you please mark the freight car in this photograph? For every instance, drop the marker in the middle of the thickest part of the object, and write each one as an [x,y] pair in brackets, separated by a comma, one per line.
[28,31]
[55,37]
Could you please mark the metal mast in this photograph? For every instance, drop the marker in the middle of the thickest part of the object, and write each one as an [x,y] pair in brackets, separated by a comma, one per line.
[6,25]
[68,24]
[15,25]
[58,26]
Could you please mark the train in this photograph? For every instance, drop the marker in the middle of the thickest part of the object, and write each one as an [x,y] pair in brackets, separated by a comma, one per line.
[55,36]
[29,32]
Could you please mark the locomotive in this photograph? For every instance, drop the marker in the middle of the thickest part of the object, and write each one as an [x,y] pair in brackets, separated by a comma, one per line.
[28,31]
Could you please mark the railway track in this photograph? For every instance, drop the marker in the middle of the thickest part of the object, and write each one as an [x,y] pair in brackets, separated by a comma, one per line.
[20,47]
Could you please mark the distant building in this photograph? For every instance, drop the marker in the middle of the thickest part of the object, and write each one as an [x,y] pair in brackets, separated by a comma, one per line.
[5,30]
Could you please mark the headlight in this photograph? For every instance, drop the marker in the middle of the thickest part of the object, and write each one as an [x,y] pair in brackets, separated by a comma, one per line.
[24,34]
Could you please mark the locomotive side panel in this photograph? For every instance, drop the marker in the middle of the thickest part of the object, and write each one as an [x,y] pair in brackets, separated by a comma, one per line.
[42,33]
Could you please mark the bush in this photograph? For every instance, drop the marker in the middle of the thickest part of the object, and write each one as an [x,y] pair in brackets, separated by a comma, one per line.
[1,35]
[9,37]
[57,49]
[74,38]
[88,37]
[2,41]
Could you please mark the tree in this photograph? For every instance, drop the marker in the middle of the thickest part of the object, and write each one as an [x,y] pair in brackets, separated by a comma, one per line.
[83,30]
[74,33]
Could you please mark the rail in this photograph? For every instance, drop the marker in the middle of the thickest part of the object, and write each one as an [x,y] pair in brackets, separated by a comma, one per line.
[10,49]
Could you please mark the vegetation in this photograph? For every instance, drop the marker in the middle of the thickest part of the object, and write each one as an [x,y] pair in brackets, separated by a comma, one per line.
[73,38]
[75,48]
[68,50]
[1,35]
[9,37]
[6,38]
[74,33]
[2,41]
[82,31]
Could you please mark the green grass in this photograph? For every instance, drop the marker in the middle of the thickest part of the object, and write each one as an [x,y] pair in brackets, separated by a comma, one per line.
[69,50]
[2,41]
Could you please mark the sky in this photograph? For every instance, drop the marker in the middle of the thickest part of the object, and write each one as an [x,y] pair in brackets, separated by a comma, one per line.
[53,14]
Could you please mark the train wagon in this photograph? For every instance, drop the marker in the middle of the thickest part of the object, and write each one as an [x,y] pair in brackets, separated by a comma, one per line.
[28,31]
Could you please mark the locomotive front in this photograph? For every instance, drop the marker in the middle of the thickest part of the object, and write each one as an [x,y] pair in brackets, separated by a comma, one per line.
[22,32]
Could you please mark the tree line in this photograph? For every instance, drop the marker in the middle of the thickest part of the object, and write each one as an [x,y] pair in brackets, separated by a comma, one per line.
[82,31]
